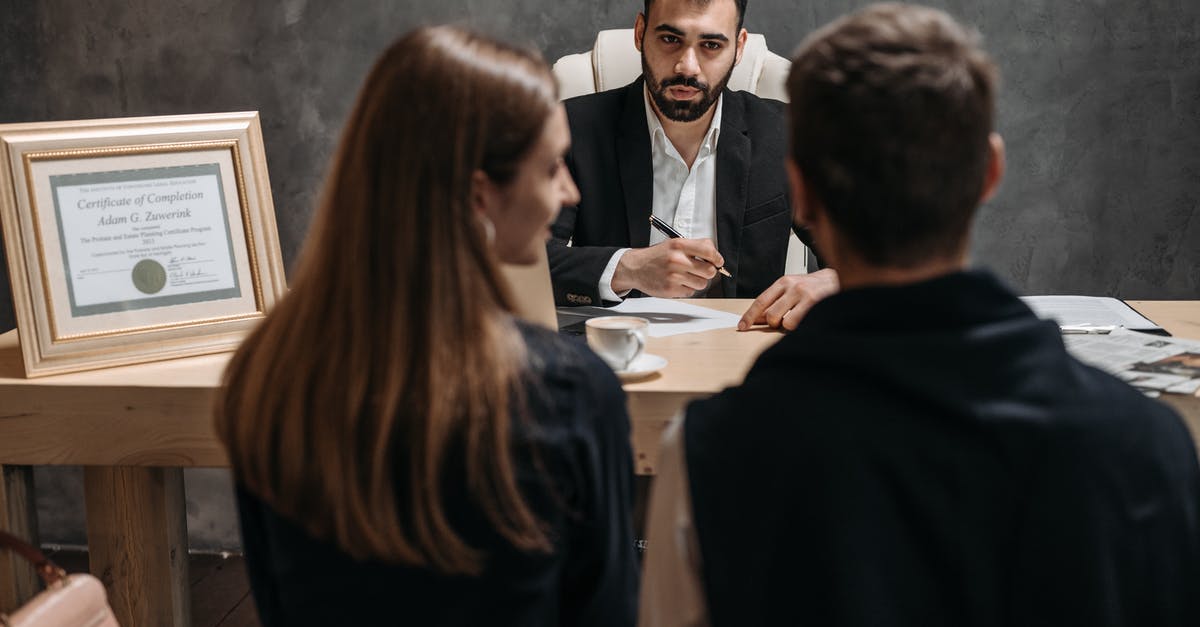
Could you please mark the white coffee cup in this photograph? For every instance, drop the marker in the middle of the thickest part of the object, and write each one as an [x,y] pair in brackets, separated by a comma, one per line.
[618,340]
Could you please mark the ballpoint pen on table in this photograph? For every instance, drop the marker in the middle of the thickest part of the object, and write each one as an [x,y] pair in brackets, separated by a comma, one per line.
[671,233]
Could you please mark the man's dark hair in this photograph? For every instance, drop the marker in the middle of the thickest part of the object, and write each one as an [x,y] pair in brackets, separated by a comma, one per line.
[741,7]
[891,112]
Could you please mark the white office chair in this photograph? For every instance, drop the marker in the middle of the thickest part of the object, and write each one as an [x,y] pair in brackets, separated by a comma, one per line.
[614,62]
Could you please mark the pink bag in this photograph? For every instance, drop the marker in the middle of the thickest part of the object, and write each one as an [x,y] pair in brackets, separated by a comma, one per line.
[68,601]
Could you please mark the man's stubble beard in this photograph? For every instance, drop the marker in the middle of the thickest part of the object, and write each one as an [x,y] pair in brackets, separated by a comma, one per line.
[682,111]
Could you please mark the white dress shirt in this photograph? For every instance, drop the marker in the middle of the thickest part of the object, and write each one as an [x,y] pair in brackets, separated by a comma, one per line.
[685,198]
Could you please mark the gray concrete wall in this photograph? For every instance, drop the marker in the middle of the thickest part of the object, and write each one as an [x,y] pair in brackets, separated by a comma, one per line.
[1100,108]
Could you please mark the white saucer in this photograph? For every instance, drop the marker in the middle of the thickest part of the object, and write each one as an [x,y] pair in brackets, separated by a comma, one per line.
[645,365]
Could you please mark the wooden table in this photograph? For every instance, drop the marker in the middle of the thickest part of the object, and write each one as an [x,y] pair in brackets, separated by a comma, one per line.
[699,365]
[135,428]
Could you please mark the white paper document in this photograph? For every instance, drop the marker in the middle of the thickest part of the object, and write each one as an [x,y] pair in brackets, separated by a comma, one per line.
[1088,311]
[671,317]
[667,317]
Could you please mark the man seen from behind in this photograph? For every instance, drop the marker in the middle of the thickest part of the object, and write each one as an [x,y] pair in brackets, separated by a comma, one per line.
[921,449]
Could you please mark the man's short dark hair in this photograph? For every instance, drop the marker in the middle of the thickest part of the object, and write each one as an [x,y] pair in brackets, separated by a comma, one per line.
[741,7]
[891,112]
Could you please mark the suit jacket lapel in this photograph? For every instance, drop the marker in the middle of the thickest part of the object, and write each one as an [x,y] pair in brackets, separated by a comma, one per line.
[733,175]
[633,159]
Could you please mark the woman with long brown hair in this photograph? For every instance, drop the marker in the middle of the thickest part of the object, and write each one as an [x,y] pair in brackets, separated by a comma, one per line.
[406,452]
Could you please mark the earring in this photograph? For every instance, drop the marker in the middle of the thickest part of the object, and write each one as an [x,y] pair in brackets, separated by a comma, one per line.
[489,229]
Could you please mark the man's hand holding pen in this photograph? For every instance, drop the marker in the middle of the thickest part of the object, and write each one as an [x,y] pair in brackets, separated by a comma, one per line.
[676,268]
[671,233]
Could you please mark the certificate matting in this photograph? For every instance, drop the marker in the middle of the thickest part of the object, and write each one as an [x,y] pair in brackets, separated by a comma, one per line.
[136,239]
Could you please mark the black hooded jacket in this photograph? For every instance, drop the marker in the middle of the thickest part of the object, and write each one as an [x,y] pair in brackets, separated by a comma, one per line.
[931,455]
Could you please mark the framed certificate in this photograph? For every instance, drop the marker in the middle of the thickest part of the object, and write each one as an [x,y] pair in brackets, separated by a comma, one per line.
[137,239]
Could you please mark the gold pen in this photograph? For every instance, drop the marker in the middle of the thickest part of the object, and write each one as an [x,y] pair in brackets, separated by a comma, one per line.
[671,233]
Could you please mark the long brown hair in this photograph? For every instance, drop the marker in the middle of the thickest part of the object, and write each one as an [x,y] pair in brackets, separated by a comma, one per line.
[393,347]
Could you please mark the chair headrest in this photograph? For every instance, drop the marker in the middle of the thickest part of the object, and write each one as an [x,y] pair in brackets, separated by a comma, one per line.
[615,62]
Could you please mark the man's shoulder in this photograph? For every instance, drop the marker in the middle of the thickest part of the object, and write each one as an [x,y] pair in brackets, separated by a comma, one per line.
[752,101]
[769,391]
[1108,413]
[757,110]
[591,108]
[764,121]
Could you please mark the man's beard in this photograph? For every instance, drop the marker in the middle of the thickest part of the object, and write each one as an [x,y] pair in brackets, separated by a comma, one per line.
[683,110]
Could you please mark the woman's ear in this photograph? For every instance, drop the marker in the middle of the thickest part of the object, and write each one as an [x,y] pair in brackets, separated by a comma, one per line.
[485,196]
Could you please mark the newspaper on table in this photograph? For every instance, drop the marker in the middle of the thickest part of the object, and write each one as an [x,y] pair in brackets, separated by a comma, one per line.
[1151,363]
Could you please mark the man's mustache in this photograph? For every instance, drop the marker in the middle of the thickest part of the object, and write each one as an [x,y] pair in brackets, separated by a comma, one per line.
[683,81]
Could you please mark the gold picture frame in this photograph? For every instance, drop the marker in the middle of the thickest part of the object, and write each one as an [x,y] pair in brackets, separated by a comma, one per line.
[137,239]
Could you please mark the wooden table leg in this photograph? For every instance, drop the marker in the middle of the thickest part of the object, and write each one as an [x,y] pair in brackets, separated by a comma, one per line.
[18,516]
[137,542]
[650,415]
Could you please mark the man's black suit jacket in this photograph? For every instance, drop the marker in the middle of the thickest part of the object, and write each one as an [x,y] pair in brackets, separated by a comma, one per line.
[610,161]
